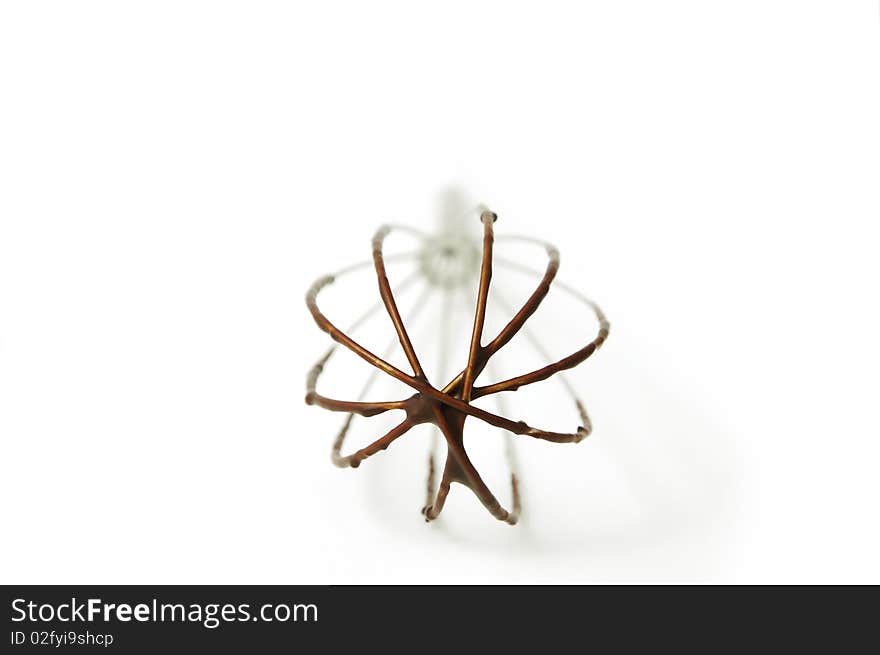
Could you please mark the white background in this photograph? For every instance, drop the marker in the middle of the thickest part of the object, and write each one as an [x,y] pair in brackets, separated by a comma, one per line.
[174,175]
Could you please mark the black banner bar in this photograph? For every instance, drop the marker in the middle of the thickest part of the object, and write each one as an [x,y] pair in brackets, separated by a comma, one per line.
[151,619]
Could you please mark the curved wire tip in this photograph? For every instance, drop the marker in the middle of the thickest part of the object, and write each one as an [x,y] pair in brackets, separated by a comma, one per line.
[448,407]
